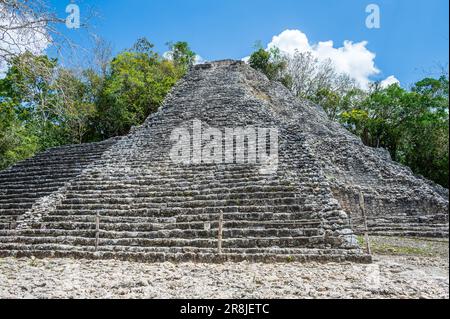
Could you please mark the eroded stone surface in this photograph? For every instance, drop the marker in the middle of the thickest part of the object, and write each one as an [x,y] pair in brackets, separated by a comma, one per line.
[399,277]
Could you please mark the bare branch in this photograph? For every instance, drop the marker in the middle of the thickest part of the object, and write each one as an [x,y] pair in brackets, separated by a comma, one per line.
[33,26]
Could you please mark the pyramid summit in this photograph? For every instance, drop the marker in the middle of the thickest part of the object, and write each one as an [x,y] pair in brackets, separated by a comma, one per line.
[285,183]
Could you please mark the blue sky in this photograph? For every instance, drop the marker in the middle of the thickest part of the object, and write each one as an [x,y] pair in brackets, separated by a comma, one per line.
[412,40]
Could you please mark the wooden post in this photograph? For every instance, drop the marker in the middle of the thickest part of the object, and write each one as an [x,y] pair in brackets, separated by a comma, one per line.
[219,236]
[366,228]
[97,230]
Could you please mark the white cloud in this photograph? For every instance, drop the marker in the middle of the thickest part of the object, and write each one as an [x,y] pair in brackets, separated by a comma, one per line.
[290,40]
[21,39]
[3,69]
[353,59]
[199,60]
[389,81]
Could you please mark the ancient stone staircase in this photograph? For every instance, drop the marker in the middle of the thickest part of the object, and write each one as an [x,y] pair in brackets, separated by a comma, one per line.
[404,225]
[264,219]
[25,183]
[133,202]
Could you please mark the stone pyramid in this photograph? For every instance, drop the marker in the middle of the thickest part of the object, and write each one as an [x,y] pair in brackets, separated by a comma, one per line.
[139,198]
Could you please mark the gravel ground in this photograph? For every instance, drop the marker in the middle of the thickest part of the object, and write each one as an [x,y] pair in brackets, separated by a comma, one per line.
[388,277]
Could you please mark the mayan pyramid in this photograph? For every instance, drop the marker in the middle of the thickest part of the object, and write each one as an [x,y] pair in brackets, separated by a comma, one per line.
[127,198]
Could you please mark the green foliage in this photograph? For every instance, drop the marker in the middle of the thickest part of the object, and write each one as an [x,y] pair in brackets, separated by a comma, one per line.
[78,104]
[427,130]
[28,108]
[137,84]
[271,63]
[16,142]
[412,125]
[43,104]
[182,56]
[337,103]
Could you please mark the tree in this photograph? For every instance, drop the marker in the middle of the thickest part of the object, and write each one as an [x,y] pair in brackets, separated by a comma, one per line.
[25,25]
[16,142]
[335,103]
[427,145]
[270,62]
[32,26]
[43,104]
[182,56]
[78,106]
[53,103]
[309,76]
[138,82]
[412,125]
[102,56]
[31,88]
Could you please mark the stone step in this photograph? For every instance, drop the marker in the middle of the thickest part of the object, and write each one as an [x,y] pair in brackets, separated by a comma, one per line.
[114,224]
[4,226]
[179,191]
[22,189]
[20,197]
[180,200]
[395,218]
[47,185]
[48,170]
[183,186]
[37,178]
[412,233]
[13,213]
[229,233]
[400,227]
[189,219]
[114,183]
[12,181]
[141,173]
[249,242]
[14,206]
[46,161]
[178,250]
[45,165]
[287,201]
[251,212]
[26,200]
[339,256]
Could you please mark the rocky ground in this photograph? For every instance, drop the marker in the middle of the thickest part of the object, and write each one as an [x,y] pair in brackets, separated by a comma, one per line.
[402,268]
